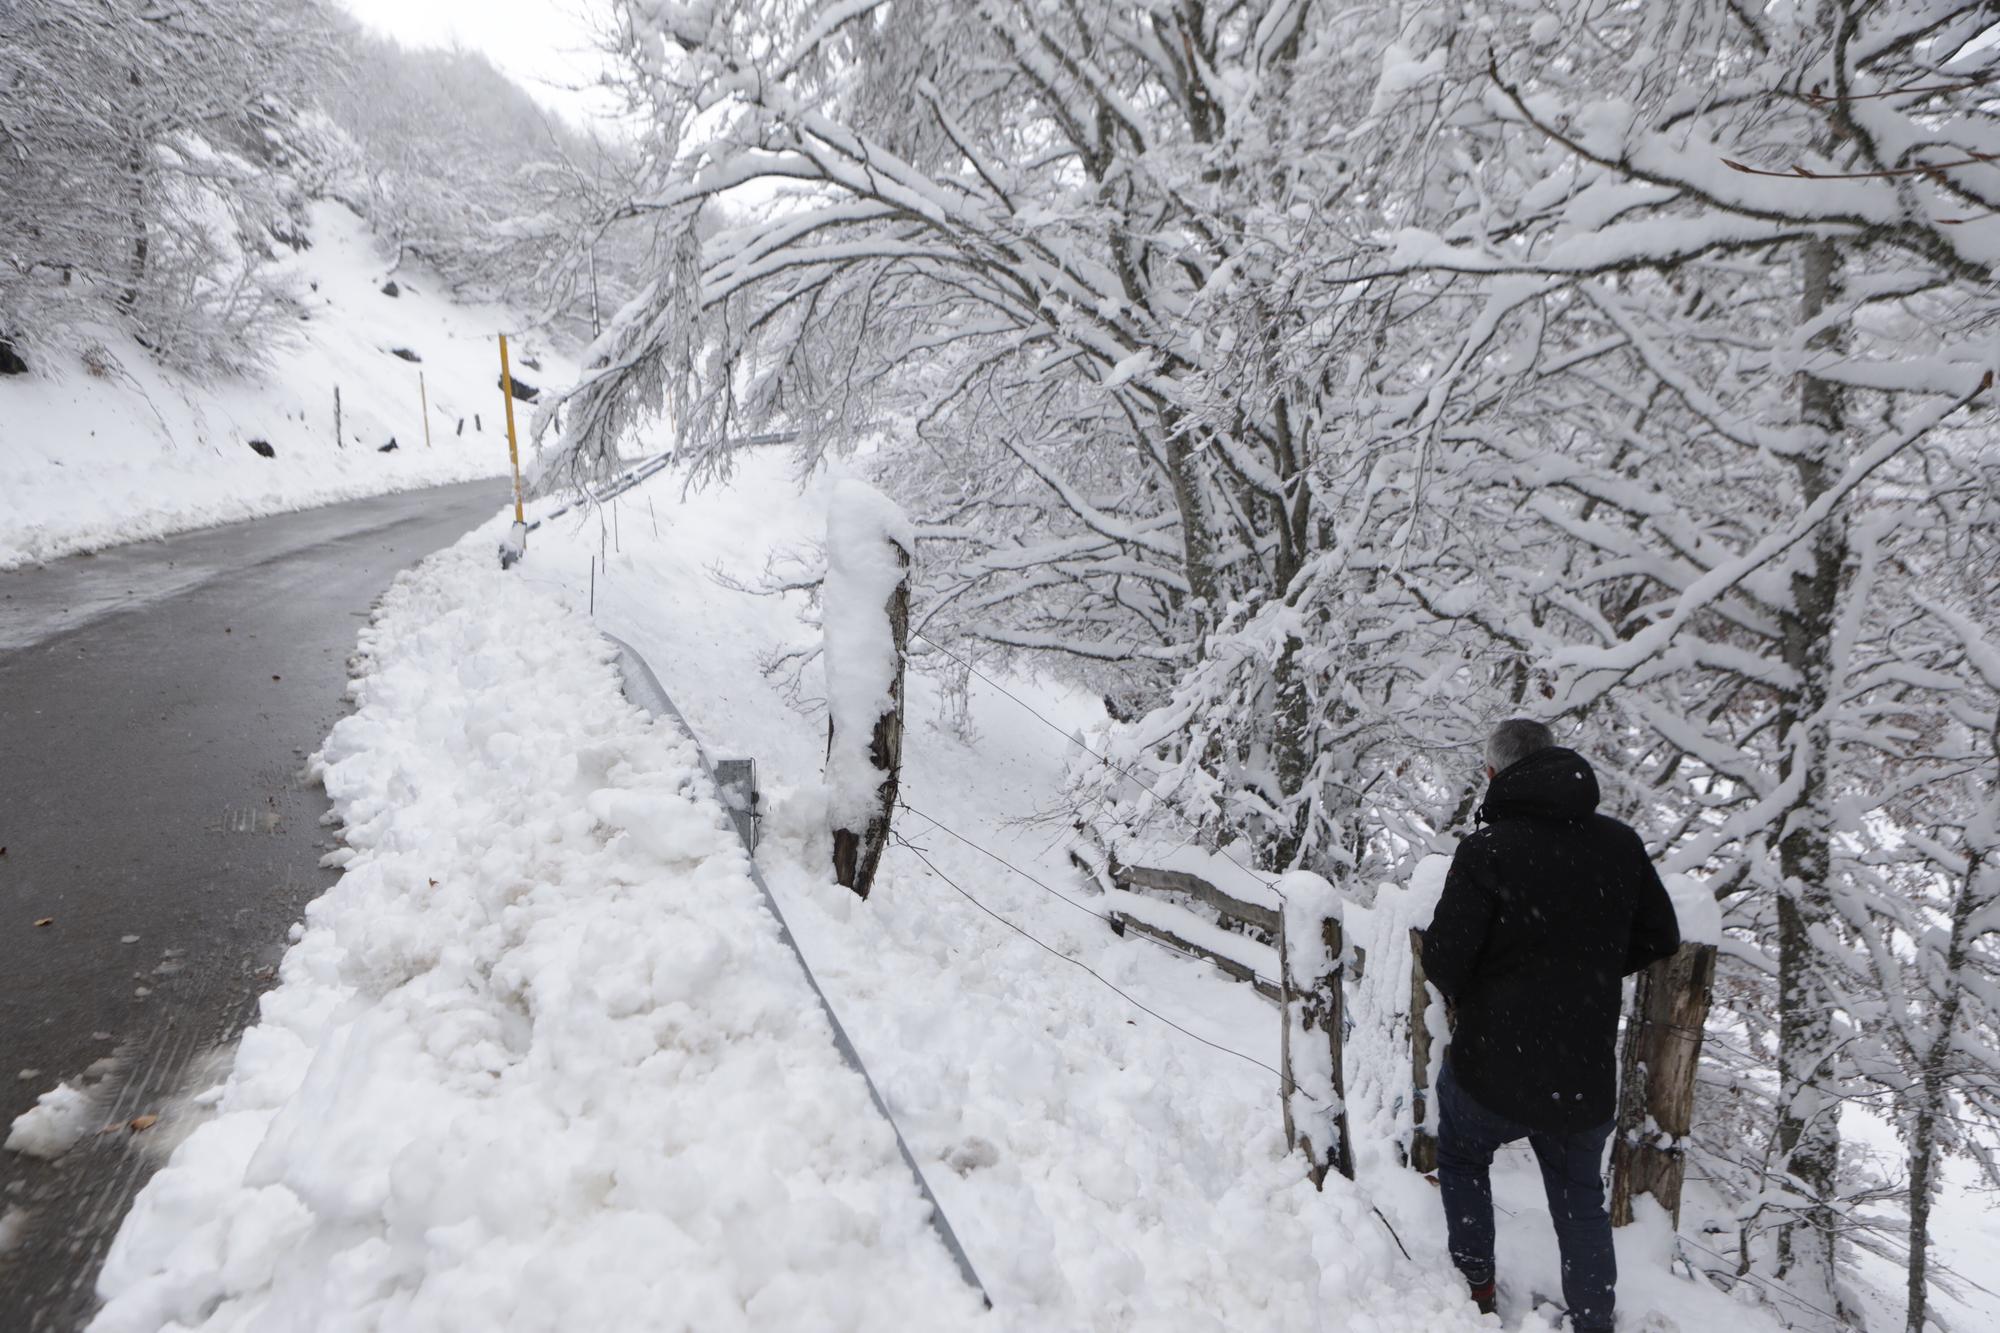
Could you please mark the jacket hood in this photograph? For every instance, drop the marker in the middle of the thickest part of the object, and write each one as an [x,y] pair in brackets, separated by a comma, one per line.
[1555,783]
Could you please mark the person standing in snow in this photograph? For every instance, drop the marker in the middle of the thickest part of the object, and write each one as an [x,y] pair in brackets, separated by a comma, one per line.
[1546,909]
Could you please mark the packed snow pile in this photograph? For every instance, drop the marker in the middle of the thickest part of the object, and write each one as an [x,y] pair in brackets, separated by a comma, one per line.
[53,1125]
[112,448]
[540,1059]
[868,544]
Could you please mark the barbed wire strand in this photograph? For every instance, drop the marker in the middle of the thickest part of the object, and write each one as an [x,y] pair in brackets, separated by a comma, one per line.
[1193,824]
[918,852]
[1060,896]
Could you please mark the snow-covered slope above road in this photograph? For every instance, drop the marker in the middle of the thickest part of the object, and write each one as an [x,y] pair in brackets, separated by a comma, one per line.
[540,1060]
[118,450]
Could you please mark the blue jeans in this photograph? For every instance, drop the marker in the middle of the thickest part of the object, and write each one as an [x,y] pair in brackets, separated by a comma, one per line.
[1468,1136]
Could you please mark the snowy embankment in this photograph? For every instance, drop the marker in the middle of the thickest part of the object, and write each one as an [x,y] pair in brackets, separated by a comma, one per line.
[1104,1170]
[539,1060]
[111,448]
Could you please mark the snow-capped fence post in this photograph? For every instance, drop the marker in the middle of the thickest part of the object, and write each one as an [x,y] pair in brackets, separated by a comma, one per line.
[865,621]
[339,440]
[1423,1143]
[1662,1051]
[1310,1084]
[424,406]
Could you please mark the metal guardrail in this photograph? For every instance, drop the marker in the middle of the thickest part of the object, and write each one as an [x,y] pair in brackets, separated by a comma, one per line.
[648,468]
[643,688]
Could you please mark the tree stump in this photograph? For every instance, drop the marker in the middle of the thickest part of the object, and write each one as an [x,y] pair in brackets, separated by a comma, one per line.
[868,551]
[1658,1062]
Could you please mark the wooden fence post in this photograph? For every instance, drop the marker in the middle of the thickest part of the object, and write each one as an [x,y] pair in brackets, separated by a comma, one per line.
[860,825]
[338,439]
[1661,1052]
[1423,1144]
[1310,1085]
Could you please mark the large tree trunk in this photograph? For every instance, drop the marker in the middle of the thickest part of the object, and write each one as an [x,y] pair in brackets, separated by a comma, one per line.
[1808,1113]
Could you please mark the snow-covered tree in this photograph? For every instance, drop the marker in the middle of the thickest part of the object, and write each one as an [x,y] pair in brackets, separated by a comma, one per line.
[135,174]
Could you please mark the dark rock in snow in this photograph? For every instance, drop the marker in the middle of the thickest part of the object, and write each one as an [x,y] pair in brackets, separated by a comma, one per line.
[11,361]
[263,448]
[531,363]
[522,390]
[405,353]
[390,288]
[387,447]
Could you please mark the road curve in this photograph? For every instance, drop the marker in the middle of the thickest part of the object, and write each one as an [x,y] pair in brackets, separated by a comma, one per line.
[156,704]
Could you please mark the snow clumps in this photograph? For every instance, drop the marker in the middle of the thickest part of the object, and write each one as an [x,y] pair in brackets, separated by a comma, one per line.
[869,542]
[53,1125]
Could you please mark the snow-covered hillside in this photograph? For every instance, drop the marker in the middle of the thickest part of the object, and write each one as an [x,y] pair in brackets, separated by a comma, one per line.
[109,448]
[538,1057]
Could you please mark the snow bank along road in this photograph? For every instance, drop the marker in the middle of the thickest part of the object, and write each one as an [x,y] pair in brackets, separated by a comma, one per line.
[157,703]
[540,1060]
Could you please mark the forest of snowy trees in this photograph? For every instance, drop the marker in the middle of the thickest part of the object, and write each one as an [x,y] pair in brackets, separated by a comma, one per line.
[1322,383]
[155,160]
[1319,384]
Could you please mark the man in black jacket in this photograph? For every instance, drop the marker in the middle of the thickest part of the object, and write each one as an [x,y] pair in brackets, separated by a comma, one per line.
[1545,911]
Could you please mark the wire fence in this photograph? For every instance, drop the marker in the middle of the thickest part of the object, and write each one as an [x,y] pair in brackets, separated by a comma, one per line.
[1060,896]
[1143,1008]
[1193,824]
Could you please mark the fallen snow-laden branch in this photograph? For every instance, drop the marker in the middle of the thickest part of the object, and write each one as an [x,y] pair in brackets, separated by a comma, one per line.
[540,1059]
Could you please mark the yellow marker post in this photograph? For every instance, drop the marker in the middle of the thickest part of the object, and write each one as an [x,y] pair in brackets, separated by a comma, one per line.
[424,402]
[513,449]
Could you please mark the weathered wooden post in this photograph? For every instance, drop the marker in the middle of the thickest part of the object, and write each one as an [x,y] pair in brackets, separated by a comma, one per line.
[1661,1053]
[1310,1087]
[1423,1143]
[865,619]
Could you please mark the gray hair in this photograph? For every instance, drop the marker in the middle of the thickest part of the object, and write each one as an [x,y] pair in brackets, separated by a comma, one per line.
[1514,740]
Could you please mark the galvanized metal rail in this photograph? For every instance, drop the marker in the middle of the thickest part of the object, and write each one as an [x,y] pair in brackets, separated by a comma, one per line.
[643,688]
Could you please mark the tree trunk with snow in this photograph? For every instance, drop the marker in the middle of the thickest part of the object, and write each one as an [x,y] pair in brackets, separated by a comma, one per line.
[1808,1113]
[867,627]
[1973,899]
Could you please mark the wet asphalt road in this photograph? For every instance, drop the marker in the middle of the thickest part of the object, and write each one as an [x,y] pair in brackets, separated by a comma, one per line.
[157,703]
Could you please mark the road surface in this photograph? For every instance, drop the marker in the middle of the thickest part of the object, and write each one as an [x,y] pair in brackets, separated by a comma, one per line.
[157,703]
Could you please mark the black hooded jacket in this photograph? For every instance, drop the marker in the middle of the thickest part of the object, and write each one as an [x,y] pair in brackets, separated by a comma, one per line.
[1545,911]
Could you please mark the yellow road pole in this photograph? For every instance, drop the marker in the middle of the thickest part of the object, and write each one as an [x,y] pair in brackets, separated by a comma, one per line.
[424,401]
[513,449]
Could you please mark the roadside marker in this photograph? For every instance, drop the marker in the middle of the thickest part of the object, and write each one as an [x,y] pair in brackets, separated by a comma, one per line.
[516,544]
[513,450]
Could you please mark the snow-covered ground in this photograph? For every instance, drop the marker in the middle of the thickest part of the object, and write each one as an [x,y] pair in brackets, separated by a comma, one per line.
[118,450]
[540,1058]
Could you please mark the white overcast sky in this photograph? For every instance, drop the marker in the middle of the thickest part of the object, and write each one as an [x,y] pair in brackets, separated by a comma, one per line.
[545,45]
